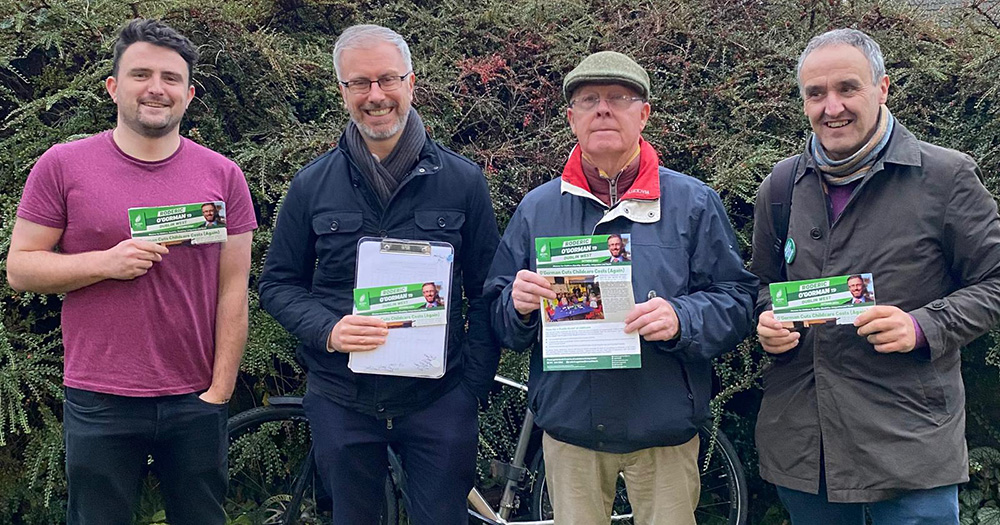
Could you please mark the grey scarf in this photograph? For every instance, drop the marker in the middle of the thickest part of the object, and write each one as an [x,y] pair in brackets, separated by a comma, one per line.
[384,177]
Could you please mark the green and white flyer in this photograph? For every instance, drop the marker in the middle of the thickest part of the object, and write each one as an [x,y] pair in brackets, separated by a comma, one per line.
[199,223]
[402,306]
[584,328]
[814,301]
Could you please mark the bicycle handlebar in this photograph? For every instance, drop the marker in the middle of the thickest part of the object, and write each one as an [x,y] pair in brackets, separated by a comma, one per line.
[510,382]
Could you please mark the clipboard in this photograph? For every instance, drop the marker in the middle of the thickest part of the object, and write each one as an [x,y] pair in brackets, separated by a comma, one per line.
[398,270]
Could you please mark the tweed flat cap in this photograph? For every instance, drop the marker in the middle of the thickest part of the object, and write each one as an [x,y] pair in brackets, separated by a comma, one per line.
[607,67]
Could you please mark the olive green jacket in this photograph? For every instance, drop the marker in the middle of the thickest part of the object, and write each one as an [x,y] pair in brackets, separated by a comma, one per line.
[927,229]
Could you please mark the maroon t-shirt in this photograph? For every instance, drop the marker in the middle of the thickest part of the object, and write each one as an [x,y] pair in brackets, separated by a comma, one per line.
[153,335]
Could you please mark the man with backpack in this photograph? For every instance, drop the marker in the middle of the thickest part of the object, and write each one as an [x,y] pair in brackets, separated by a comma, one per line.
[871,414]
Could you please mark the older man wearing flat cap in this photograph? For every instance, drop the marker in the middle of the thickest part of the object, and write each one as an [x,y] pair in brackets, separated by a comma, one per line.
[693,301]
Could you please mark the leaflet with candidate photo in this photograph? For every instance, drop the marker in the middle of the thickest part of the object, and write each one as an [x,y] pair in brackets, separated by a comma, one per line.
[838,299]
[402,306]
[584,327]
[197,223]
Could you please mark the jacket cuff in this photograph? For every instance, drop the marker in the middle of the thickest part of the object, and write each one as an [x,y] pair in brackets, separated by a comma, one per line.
[523,331]
[526,323]
[933,336]
[323,337]
[920,348]
[683,339]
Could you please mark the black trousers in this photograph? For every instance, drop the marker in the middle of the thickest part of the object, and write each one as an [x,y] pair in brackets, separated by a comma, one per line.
[437,446]
[109,439]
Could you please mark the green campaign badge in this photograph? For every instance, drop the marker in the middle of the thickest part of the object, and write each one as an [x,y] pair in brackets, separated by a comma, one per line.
[789,251]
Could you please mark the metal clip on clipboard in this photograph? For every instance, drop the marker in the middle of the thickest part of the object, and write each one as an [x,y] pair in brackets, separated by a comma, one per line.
[406,247]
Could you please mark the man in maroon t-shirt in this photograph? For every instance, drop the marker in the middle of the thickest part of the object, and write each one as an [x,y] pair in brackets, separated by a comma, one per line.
[153,336]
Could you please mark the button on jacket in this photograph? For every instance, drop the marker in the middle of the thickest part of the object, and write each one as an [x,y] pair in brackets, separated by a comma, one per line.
[308,277]
[683,249]
[927,230]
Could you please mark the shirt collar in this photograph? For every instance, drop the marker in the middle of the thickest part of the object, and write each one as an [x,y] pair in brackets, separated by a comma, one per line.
[645,187]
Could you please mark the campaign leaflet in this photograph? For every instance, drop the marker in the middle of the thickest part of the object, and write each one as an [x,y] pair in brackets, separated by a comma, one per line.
[402,306]
[199,223]
[814,301]
[584,328]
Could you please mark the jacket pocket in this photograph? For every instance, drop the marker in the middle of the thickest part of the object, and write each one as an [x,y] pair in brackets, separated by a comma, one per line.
[337,234]
[441,226]
[333,222]
[935,399]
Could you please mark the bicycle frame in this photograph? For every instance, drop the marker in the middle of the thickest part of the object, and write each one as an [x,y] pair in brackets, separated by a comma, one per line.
[476,499]
[480,508]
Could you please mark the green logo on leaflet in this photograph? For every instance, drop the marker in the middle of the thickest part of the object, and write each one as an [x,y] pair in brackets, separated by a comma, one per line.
[780,299]
[543,252]
[138,223]
[363,301]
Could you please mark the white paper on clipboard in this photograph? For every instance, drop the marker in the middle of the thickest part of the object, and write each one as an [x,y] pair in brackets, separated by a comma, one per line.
[414,351]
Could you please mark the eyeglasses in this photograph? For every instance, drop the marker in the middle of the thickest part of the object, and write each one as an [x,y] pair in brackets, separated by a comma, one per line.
[360,86]
[616,102]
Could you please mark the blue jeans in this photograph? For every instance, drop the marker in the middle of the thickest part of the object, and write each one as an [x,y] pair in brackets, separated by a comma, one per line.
[937,506]
[437,445]
[109,438]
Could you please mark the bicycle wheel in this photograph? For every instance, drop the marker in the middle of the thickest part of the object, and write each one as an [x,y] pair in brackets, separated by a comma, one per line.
[723,500]
[272,479]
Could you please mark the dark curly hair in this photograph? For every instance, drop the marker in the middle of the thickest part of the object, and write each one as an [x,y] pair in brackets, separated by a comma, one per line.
[159,34]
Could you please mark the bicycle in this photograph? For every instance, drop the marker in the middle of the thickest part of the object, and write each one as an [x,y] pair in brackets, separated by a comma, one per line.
[273,480]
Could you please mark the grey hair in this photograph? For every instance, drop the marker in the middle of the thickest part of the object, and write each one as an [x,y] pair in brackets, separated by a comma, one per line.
[362,35]
[852,37]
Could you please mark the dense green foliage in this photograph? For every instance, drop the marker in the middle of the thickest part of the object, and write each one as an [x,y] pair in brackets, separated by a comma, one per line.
[725,109]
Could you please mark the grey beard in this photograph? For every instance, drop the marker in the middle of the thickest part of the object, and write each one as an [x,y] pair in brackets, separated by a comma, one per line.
[387,134]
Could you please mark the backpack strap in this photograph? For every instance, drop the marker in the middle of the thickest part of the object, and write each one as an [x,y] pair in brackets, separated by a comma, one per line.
[782,183]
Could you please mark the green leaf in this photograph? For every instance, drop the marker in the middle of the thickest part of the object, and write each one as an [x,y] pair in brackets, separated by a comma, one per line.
[988,516]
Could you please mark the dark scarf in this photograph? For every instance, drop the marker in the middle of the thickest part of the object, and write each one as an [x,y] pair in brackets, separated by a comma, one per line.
[384,177]
[853,168]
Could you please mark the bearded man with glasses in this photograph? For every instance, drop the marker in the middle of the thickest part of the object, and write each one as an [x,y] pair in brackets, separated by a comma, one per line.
[386,178]
[693,301]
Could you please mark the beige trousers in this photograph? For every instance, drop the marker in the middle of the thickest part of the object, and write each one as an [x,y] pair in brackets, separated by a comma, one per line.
[663,483]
